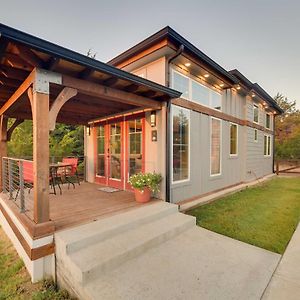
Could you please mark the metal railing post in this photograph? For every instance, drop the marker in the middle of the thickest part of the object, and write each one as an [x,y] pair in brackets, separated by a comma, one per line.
[21,187]
[4,175]
[10,179]
[84,168]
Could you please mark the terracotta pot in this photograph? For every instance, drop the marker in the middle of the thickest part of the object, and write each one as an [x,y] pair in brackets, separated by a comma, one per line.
[142,196]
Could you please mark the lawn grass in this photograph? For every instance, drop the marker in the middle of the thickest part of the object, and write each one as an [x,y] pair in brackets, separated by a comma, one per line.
[15,281]
[265,216]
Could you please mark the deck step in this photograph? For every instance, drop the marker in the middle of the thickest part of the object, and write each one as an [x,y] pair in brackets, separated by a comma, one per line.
[98,258]
[72,240]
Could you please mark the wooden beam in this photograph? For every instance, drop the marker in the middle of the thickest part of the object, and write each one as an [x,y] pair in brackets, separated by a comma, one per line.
[11,129]
[131,88]
[65,95]
[86,73]
[148,94]
[18,93]
[110,81]
[13,72]
[98,90]
[30,57]
[3,144]
[3,46]
[53,63]
[4,81]
[16,60]
[40,114]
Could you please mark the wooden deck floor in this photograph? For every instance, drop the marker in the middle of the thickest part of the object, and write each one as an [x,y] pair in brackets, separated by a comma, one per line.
[84,204]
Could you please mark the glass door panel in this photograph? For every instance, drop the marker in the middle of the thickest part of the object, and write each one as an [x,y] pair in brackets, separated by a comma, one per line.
[100,170]
[135,146]
[115,151]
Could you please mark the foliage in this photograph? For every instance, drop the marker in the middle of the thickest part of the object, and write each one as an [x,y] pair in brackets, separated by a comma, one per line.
[15,283]
[65,140]
[144,180]
[265,216]
[287,129]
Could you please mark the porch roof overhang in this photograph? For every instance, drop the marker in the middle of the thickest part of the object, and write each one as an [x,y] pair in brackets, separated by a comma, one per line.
[101,89]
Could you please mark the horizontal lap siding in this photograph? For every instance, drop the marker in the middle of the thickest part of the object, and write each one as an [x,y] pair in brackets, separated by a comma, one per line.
[257,165]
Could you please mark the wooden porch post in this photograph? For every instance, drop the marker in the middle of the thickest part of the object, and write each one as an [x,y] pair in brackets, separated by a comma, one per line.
[3,144]
[40,117]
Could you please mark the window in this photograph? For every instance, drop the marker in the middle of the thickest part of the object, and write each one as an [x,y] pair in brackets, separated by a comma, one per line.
[255,113]
[135,146]
[181,140]
[215,147]
[100,171]
[195,91]
[255,135]
[268,121]
[200,93]
[267,145]
[216,100]
[181,84]
[233,139]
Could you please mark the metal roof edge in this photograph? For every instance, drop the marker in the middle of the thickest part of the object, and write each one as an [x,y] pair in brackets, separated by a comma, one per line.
[75,57]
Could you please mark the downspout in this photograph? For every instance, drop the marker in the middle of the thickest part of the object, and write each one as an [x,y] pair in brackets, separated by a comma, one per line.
[274,144]
[168,128]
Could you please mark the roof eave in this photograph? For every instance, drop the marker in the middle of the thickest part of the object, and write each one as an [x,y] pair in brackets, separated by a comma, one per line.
[72,56]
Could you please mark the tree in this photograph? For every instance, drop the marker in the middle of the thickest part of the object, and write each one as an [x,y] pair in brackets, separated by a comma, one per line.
[287,129]
[65,140]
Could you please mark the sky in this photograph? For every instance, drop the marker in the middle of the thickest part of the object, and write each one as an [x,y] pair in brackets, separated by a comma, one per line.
[261,38]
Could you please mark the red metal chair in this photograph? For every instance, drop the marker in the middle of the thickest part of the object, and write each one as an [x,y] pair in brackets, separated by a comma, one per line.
[29,178]
[72,171]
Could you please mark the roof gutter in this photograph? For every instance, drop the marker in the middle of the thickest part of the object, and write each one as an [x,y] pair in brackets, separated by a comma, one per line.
[168,126]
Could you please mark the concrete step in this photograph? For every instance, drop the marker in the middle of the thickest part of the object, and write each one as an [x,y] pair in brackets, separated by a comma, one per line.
[93,261]
[72,240]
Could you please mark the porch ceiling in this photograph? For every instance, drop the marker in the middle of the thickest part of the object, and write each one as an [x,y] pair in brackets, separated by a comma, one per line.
[20,53]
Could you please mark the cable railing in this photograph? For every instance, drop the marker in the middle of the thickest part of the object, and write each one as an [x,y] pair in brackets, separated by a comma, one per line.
[18,180]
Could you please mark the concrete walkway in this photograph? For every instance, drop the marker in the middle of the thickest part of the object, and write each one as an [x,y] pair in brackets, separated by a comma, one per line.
[198,264]
[285,283]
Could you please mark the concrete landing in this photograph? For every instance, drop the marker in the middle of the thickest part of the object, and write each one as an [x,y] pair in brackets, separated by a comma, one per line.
[285,283]
[198,264]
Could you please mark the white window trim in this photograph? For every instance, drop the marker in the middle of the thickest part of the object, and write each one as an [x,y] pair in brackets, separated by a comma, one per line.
[266,120]
[255,105]
[255,140]
[268,136]
[190,98]
[172,82]
[189,161]
[237,140]
[210,131]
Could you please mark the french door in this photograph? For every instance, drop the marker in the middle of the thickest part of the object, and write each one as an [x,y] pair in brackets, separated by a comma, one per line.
[120,151]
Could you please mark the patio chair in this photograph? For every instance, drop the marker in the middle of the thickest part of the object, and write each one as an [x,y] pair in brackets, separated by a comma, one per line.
[29,178]
[71,171]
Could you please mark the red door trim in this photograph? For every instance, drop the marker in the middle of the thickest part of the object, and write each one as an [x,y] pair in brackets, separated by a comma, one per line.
[127,184]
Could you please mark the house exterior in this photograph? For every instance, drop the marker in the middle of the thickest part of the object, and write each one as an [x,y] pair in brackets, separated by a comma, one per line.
[161,106]
[219,133]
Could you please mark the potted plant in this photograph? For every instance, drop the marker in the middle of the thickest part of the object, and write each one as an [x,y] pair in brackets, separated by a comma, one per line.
[144,184]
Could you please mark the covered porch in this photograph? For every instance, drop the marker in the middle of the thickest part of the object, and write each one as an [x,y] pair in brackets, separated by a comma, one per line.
[47,83]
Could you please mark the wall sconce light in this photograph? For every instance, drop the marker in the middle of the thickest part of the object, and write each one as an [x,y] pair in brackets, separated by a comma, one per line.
[153,118]
[88,130]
